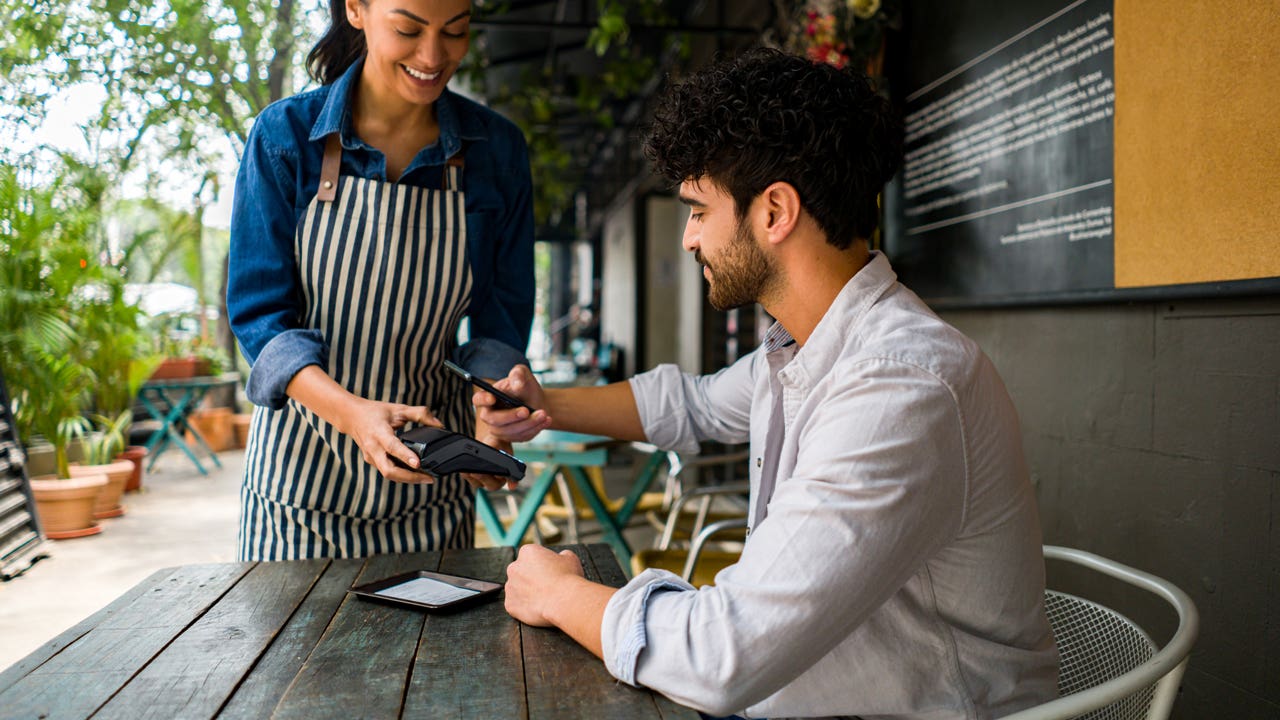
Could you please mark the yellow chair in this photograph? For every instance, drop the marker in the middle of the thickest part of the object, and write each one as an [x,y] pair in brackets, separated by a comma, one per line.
[701,560]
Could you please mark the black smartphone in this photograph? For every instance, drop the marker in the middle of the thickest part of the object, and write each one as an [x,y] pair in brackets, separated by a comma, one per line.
[427,590]
[505,401]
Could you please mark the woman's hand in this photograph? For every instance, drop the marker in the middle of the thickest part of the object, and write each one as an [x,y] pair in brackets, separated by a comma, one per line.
[372,425]
[514,424]
[490,482]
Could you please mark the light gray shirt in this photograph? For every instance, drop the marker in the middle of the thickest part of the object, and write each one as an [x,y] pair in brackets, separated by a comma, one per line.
[894,570]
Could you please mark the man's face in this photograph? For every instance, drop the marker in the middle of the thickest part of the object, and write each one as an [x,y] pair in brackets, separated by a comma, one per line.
[733,263]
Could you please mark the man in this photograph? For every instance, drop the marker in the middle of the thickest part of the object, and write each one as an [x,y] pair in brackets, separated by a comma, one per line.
[893,566]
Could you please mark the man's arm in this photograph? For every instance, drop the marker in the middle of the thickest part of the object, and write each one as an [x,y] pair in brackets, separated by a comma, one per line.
[608,410]
[548,589]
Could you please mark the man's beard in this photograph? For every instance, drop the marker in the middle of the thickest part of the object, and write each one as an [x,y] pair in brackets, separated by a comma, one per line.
[742,273]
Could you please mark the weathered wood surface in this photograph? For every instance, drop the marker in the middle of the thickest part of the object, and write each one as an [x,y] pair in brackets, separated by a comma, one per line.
[275,672]
[82,677]
[286,640]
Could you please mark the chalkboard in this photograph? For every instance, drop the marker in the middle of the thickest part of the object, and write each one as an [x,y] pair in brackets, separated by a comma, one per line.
[20,543]
[1009,190]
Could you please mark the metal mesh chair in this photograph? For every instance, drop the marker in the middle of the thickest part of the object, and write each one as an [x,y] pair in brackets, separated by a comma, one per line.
[1111,670]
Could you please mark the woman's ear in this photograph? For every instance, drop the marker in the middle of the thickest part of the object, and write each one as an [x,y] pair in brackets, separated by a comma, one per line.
[779,211]
[355,14]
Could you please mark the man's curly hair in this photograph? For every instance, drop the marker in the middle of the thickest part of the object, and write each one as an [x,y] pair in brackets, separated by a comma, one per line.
[767,116]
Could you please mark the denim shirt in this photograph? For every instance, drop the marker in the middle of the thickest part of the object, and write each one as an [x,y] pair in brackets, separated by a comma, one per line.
[279,175]
[895,570]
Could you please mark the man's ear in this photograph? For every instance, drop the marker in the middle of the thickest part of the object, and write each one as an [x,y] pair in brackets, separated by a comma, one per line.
[778,211]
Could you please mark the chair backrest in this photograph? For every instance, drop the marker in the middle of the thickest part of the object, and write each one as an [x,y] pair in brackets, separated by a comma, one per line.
[1095,644]
[1110,667]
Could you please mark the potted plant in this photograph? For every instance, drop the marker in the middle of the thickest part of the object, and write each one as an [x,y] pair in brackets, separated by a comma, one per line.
[100,451]
[48,404]
[42,263]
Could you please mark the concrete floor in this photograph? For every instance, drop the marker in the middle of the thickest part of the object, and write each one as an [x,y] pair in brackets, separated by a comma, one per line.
[179,517]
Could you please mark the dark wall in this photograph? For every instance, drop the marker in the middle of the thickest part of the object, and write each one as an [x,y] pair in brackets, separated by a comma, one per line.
[1153,436]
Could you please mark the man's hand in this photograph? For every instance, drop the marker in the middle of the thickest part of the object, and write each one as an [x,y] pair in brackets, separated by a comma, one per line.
[549,590]
[515,424]
[372,425]
[533,580]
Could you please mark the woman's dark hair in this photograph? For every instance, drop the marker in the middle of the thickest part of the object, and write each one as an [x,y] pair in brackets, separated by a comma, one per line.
[342,45]
[767,116]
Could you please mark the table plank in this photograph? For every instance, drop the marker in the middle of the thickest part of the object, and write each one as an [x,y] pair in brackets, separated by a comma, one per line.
[469,663]
[38,657]
[564,680]
[199,670]
[364,657]
[605,562]
[83,676]
[275,672]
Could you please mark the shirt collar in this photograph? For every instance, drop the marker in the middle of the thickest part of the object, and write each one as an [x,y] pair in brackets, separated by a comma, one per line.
[456,123]
[846,311]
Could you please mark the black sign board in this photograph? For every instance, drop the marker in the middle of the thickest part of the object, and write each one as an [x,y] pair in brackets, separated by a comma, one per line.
[1006,193]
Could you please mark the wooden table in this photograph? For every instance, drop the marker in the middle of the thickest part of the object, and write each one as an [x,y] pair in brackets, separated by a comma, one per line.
[569,453]
[285,640]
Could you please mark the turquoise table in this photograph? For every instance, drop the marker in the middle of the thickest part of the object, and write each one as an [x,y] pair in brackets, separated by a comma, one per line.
[170,401]
[571,454]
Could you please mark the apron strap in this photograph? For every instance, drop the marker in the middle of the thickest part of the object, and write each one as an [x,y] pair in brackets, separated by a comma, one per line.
[453,172]
[329,169]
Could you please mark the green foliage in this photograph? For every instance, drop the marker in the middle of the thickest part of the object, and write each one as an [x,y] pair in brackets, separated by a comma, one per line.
[44,259]
[178,75]
[102,446]
[190,65]
[539,102]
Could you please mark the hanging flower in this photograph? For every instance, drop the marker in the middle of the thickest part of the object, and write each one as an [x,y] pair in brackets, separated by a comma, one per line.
[864,9]
[841,32]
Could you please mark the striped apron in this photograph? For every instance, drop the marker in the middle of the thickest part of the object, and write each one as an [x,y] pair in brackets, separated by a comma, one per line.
[385,278]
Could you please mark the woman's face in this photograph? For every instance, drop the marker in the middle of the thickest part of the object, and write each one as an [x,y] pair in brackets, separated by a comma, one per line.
[415,46]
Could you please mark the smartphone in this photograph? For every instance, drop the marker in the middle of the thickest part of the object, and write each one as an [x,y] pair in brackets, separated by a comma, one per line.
[505,401]
[427,590]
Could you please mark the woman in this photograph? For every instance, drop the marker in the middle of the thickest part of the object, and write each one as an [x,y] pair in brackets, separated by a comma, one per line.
[371,214]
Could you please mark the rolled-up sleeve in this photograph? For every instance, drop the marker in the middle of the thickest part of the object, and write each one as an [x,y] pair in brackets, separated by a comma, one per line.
[625,617]
[679,410]
[279,361]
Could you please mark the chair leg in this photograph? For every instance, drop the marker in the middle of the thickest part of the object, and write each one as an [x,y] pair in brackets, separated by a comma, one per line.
[571,535]
[513,506]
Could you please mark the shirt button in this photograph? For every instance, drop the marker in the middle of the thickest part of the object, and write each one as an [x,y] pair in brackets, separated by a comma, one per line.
[759,462]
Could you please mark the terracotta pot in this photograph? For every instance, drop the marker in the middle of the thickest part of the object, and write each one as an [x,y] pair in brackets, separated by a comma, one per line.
[178,368]
[214,425]
[135,455]
[240,423]
[66,506]
[107,504]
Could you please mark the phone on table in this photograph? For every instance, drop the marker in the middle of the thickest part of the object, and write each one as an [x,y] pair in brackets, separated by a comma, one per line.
[427,590]
[505,401]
